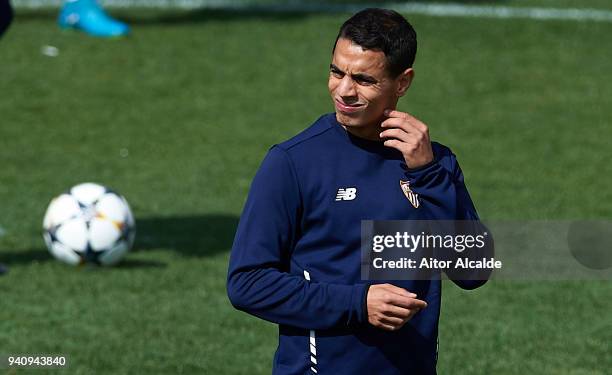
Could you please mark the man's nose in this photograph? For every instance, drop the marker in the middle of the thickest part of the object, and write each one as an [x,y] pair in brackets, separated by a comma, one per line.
[346,87]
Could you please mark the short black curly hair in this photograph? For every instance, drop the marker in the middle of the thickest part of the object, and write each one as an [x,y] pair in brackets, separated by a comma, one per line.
[383,30]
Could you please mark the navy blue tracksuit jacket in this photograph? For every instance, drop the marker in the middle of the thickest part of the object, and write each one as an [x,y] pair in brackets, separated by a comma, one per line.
[296,255]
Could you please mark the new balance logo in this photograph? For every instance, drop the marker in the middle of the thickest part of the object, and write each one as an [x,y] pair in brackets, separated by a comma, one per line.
[346,194]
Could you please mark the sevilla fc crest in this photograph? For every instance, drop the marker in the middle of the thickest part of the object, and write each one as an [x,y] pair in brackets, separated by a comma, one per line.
[411,195]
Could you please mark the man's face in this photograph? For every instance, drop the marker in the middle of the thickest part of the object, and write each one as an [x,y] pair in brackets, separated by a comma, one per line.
[360,86]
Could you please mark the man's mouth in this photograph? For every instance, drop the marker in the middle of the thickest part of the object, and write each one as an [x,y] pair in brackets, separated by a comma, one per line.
[347,108]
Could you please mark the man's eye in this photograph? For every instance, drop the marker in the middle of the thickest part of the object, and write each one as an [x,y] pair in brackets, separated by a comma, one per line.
[337,74]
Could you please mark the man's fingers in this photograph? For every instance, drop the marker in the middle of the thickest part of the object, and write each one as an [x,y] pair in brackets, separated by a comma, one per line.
[396,296]
[407,302]
[400,297]
[390,307]
[398,312]
[397,134]
[395,113]
[398,114]
[392,321]
[397,290]
[402,119]
[401,124]
[417,303]
[396,144]
[386,327]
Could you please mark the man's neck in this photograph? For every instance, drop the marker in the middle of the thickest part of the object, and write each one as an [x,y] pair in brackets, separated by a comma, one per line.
[369,132]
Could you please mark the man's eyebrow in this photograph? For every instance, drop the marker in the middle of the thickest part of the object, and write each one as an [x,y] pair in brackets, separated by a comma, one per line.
[356,76]
[335,68]
[364,77]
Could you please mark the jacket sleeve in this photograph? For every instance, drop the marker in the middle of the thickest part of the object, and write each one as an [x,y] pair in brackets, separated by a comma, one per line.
[259,281]
[444,195]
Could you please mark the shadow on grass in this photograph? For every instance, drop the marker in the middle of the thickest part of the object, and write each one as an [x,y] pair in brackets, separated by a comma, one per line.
[194,236]
[24,256]
[20,257]
[188,235]
[129,264]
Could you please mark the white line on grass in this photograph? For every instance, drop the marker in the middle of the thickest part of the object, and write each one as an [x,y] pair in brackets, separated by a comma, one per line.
[437,10]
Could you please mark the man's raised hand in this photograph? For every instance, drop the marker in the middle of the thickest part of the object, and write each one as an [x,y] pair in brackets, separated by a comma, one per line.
[408,135]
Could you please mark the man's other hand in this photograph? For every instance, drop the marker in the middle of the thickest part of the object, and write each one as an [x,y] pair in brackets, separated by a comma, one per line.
[390,307]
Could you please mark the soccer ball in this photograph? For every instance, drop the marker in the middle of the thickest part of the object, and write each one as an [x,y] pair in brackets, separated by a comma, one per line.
[89,224]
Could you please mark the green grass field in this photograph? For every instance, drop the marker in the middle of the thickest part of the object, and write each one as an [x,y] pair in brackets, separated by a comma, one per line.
[196,98]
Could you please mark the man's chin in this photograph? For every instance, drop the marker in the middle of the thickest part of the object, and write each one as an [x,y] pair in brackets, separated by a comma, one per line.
[345,119]
[353,120]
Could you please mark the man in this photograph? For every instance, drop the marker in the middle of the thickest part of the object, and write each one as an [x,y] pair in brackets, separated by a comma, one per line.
[296,256]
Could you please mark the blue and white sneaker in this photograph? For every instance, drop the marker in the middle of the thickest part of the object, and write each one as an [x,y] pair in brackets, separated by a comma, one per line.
[89,17]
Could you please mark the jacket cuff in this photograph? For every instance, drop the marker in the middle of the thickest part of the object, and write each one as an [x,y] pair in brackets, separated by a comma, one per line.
[364,301]
[359,312]
[421,175]
[421,168]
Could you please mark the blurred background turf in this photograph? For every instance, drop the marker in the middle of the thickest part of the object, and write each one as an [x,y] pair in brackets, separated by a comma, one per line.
[177,118]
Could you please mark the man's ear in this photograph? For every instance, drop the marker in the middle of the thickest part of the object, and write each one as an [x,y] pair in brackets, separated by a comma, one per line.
[404,80]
